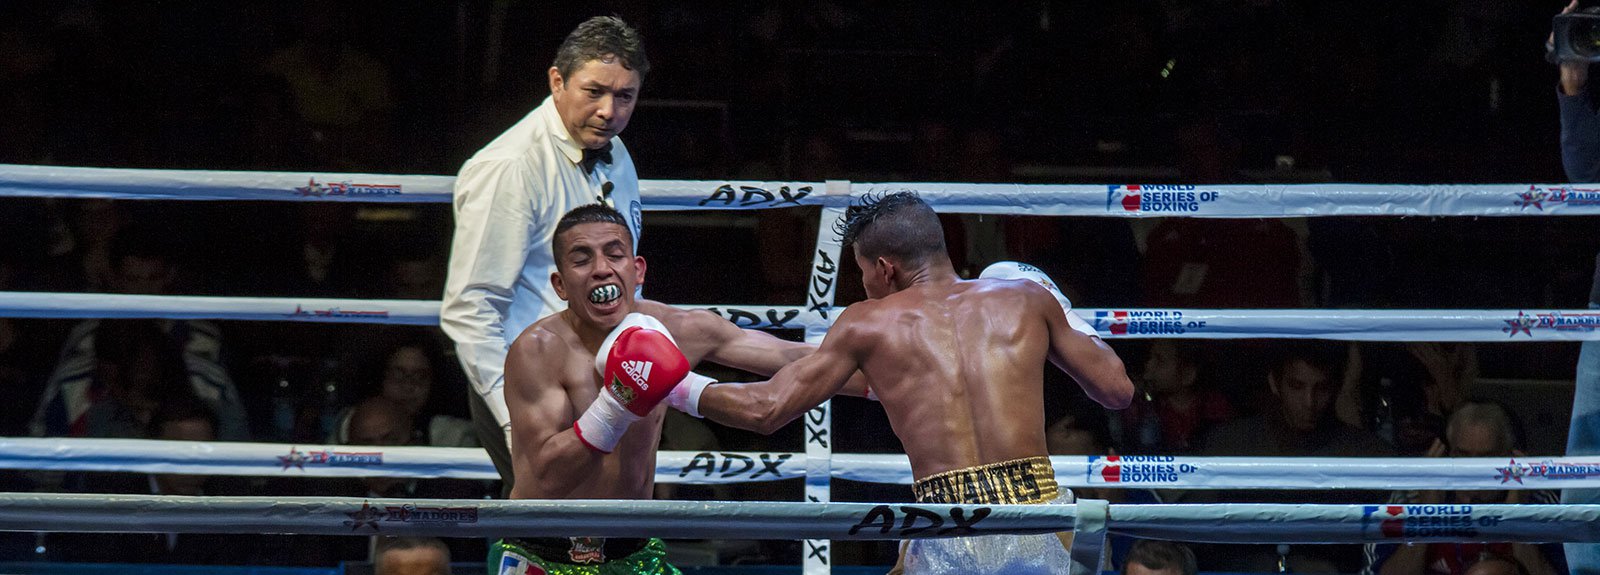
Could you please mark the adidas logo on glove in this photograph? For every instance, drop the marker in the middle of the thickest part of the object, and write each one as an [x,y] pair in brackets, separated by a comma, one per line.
[639,371]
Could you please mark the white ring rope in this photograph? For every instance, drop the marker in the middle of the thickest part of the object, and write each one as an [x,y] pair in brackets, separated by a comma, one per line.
[1231,523]
[1482,325]
[727,467]
[821,521]
[1120,200]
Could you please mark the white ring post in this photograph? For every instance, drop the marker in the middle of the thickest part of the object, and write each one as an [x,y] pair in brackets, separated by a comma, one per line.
[1089,536]
[819,421]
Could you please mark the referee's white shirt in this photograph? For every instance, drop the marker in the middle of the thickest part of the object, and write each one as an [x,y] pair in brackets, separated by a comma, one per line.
[508,198]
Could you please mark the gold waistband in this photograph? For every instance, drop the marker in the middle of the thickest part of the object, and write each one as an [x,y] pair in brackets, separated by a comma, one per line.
[1026,480]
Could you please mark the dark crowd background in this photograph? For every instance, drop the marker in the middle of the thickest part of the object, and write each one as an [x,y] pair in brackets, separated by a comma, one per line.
[1150,92]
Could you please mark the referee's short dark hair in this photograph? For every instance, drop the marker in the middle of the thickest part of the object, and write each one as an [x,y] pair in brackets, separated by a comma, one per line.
[602,38]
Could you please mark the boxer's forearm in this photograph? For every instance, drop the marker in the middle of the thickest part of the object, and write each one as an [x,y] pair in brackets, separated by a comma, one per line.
[748,406]
[562,465]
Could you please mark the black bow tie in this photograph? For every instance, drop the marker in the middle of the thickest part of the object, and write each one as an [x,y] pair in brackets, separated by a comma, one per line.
[591,157]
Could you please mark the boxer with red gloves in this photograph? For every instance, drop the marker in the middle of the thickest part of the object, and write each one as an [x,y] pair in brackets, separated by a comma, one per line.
[584,387]
[639,365]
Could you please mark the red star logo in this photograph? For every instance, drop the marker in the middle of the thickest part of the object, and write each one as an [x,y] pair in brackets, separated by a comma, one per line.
[294,458]
[1522,323]
[312,188]
[1533,197]
[367,516]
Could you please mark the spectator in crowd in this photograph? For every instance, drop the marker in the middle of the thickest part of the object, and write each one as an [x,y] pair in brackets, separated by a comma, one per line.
[138,365]
[111,384]
[408,377]
[1302,379]
[1476,429]
[1154,557]
[173,420]
[411,556]
[1177,403]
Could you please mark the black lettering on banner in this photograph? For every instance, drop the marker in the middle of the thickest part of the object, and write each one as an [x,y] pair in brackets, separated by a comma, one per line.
[704,459]
[750,194]
[817,435]
[795,199]
[817,549]
[735,315]
[753,195]
[749,319]
[814,419]
[772,316]
[819,306]
[727,462]
[963,526]
[721,191]
[881,516]
[827,266]
[914,513]
[770,465]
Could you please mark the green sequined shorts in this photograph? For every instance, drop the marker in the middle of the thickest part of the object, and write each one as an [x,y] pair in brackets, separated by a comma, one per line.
[579,556]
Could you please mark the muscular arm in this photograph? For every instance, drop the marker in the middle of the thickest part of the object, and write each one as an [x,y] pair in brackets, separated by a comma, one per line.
[1088,360]
[766,406]
[751,350]
[541,421]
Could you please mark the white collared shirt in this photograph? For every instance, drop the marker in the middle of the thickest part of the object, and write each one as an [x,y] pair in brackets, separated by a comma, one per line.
[508,198]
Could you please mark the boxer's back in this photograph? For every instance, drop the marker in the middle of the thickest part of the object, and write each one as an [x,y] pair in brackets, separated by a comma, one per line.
[959,368]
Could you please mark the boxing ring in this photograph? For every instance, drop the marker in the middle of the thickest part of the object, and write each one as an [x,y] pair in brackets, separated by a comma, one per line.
[817,520]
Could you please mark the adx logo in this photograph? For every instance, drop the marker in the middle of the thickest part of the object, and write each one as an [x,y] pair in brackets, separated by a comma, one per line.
[1144,198]
[1137,469]
[1144,322]
[639,371]
[1422,521]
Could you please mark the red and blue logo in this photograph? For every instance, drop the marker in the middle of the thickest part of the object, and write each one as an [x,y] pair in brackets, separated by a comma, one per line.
[1555,320]
[314,189]
[1424,521]
[1147,198]
[1536,197]
[301,311]
[1549,470]
[300,459]
[1137,469]
[1144,322]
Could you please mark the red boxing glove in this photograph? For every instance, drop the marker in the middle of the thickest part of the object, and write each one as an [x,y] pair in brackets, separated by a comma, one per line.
[639,364]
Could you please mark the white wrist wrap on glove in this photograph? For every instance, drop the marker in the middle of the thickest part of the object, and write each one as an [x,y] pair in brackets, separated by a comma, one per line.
[602,425]
[686,397]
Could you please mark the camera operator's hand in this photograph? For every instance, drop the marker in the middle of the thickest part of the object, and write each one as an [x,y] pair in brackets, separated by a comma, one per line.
[1574,74]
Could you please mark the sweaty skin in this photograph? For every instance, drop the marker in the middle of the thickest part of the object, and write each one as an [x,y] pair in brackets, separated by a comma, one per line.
[551,379]
[958,366]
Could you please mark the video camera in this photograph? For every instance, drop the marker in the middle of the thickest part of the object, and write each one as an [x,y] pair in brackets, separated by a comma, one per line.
[1577,34]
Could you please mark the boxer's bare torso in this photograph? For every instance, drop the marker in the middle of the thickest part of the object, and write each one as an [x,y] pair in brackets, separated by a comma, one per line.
[958,366]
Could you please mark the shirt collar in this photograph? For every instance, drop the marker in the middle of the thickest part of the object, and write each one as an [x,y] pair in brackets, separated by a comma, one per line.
[558,133]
